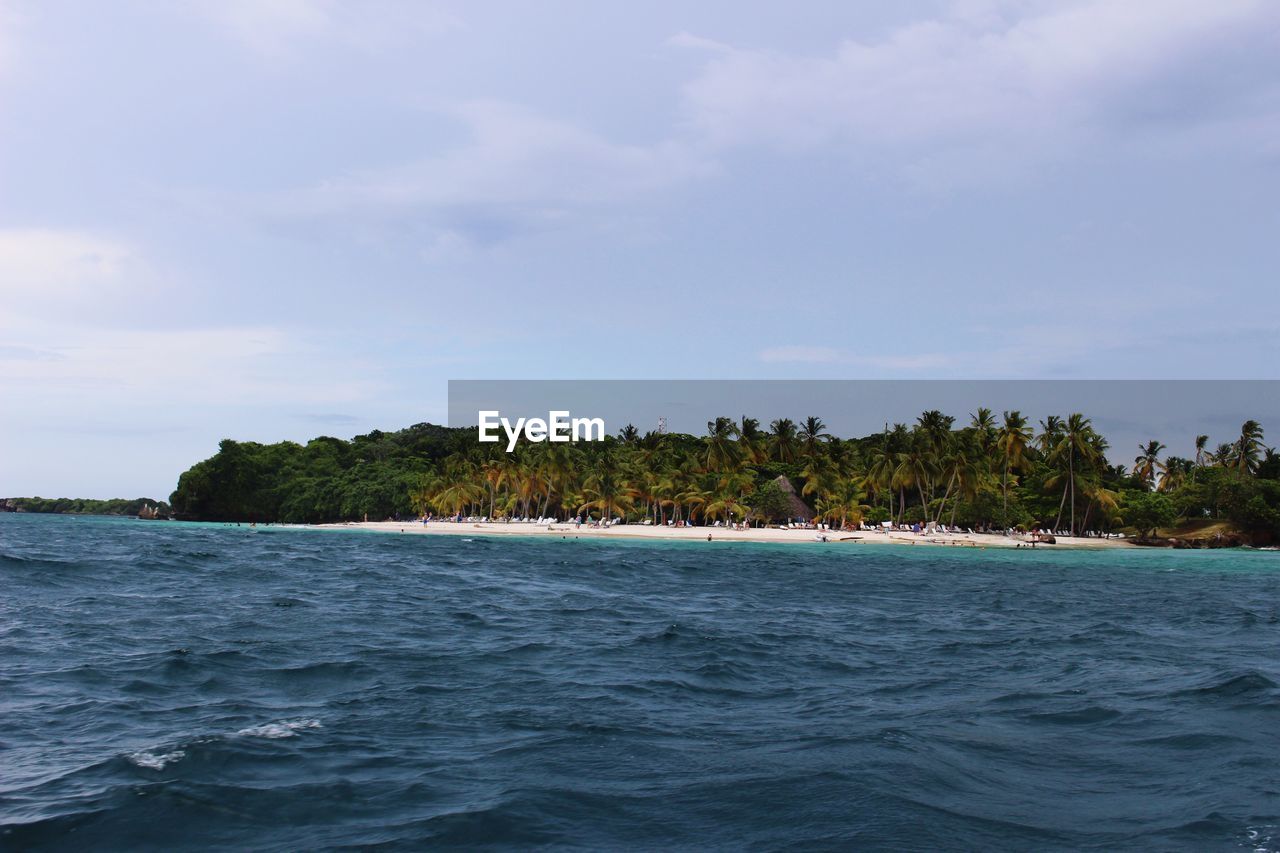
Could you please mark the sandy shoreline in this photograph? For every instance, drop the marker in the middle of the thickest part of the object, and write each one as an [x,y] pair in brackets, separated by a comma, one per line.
[718,534]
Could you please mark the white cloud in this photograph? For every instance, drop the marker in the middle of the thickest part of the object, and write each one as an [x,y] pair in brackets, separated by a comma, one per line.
[80,317]
[9,55]
[123,411]
[992,90]
[116,370]
[988,82]
[269,26]
[518,168]
[801,355]
[45,272]
[280,29]
[7,25]
[32,257]
[689,40]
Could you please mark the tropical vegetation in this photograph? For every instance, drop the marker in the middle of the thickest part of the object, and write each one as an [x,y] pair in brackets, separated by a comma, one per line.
[991,471]
[83,506]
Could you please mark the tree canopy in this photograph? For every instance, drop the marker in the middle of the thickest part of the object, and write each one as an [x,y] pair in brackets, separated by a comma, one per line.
[989,471]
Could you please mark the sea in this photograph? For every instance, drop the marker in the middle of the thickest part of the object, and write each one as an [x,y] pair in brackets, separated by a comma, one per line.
[171,686]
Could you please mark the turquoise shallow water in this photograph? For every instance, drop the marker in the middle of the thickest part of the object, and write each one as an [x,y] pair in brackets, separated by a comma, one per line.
[167,686]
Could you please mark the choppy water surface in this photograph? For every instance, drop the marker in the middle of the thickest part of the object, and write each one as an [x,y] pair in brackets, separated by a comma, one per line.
[166,686]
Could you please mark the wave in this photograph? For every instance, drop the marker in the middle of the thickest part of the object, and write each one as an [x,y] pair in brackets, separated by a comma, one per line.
[1078,716]
[1262,838]
[344,692]
[156,760]
[1021,696]
[320,670]
[1193,740]
[1240,686]
[276,731]
[721,670]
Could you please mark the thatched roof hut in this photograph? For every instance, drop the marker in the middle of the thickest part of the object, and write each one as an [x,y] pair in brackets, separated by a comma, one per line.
[798,508]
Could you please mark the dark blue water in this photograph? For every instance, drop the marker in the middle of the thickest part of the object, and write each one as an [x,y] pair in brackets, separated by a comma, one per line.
[165,686]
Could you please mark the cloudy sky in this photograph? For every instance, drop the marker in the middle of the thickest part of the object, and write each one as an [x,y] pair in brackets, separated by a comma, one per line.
[272,219]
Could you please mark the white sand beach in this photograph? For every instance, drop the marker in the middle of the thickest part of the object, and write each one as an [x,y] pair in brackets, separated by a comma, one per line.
[720,534]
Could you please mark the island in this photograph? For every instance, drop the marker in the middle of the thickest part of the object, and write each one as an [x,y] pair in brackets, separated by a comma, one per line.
[1052,482]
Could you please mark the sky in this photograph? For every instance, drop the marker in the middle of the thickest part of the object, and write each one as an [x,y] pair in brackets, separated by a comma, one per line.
[274,219]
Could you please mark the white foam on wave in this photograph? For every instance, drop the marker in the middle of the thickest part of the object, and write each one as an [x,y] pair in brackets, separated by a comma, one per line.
[1261,838]
[287,728]
[156,760]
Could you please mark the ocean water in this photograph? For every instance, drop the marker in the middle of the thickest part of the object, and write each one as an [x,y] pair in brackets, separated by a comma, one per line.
[170,686]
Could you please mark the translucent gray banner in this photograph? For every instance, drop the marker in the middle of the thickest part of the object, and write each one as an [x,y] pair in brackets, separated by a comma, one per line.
[1125,412]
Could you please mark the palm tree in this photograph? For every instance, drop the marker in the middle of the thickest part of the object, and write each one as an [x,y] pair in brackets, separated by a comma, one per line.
[606,490]
[1106,500]
[694,497]
[723,452]
[820,475]
[784,440]
[1050,432]
[725,504]
[959,469]
[740,482]
[424,495]
[936,427]
[812,435]
[916,468]
[973,476]
[1269,462]
[846,456]
[753,440]
[1077,442]
[844,502]
[1012,440]
[520,477]
[879,476]
[983,424]
[1176,472]
[493,469]
[1248,448]
[663,486]
[1223,456]
[686,477]
[558,466]
[456,496]
[1146,466]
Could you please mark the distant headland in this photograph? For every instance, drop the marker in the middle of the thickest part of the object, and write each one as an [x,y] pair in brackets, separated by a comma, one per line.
[142,507]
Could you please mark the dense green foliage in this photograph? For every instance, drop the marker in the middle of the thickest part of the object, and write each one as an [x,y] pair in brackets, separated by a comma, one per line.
[86,506]
[1148,511]
[769,503]
[990,473]
[328,479]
